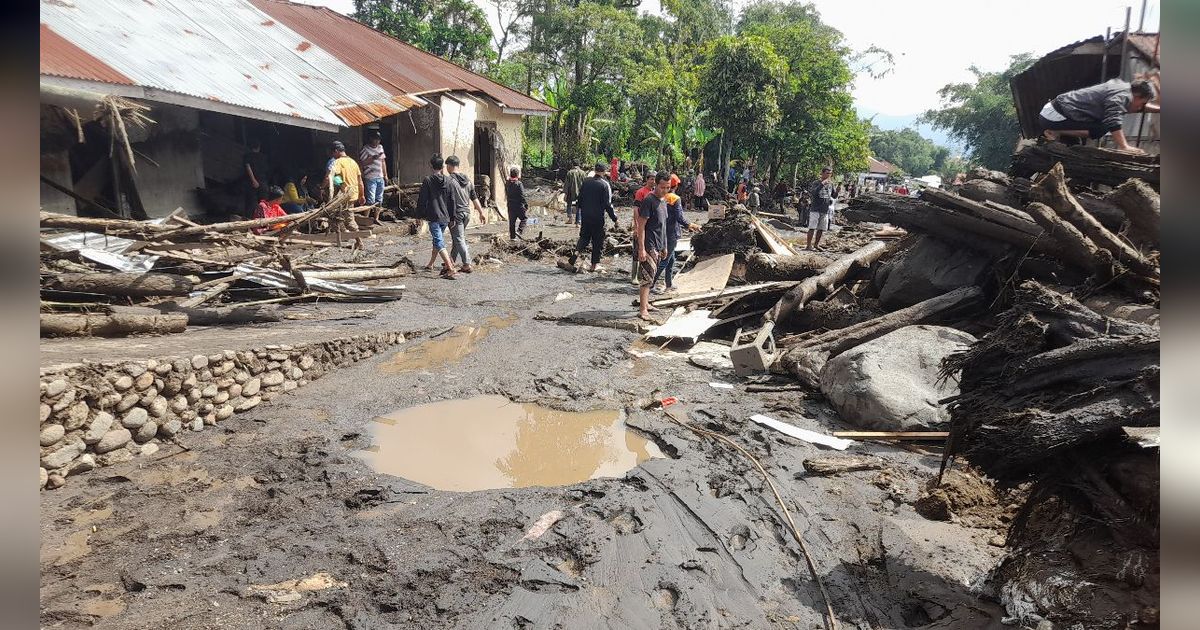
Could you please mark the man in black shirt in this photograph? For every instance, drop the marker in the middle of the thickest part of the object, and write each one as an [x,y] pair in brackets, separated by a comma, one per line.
[435,205]
[650,239]
[595,199]
[255,165]
[514,191]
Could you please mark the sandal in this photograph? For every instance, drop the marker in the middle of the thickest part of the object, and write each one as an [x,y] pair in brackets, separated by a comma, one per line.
[466,269]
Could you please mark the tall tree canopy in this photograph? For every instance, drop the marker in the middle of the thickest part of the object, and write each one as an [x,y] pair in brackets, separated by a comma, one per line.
[457,30]
[981,114]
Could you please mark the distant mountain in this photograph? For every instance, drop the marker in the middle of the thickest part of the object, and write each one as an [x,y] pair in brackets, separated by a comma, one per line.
[888,122]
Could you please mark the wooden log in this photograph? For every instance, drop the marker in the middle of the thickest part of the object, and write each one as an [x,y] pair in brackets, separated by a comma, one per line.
[765,267]
[996,213]
[195,232]
[102,226]
[357,275]
[111,325]
[837,464]
[226,315]
[1140,204]
[1106,212]
[123,283]
[952,226]
[795,299]
[985,190]
[1052,191]
[1085,166]
[806,357]
[893,435]
[1075,248]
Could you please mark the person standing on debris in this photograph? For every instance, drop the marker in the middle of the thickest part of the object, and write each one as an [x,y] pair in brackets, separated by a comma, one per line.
[433,202]
[698,189]
[514,191]
[571,185]
[345,175]
[650,239]
[462,193]
[753,200]
[676,221]
[269,208]
[820,209]
[374,167]
[1091,112]
[595,200]
[256,167]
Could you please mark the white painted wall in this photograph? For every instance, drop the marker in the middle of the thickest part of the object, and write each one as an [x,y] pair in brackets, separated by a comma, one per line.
[458,138]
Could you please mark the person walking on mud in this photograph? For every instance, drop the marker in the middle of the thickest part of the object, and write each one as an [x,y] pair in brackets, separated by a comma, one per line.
[514,191]
[433,203]
[650,239]
[595,200]
[463,196]
[676,221]
[820,209]
[571,186]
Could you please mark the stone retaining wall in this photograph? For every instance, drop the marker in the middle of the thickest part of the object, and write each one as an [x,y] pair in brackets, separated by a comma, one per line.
[98,414]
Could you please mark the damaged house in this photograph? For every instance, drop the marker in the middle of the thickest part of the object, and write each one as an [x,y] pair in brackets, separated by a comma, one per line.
[150,105]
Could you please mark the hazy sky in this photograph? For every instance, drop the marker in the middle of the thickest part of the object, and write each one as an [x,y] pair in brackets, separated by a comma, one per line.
[934,41]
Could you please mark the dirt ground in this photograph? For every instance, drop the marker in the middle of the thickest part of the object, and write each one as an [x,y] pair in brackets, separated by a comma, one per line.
[269,520]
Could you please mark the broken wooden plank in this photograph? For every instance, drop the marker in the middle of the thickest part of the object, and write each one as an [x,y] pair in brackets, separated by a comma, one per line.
[714,295]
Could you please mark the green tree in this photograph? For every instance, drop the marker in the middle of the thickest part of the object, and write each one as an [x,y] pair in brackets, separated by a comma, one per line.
[742,77]
[907,149]
[981,114]
[456,30]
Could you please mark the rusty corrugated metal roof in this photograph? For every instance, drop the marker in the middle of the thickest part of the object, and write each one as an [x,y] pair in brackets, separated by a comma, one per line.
[390,63]
[61,58]
[215,51]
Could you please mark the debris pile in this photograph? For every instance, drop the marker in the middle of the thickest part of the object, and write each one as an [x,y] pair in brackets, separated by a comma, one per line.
[116,277]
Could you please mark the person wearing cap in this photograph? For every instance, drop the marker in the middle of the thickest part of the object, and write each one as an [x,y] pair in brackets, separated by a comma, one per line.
[269,208]
[434,203]
[595,200]
[345,176]
[820,209]
[374,167]
[1094,111]
[463,196]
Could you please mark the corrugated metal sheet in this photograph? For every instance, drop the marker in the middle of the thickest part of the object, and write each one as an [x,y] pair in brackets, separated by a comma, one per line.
[222,50]
[61,58]
[390,63]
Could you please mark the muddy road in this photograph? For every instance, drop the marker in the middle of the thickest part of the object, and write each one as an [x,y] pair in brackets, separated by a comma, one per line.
[276,519]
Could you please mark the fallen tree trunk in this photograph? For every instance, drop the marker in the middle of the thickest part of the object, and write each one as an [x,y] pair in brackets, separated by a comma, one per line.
[805,358]
[1084,165]
[226,315]
[994,213]
[120,227]
[1141,206]
[765,267]
[127,284]
[1052,191]
[1075,248]
[110,325]
[795,299]
[356,275]
[193,232]
[952,226]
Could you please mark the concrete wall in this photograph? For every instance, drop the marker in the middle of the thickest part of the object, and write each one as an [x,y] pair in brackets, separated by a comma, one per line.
[458,137]
[175,168]
[412,148]
[56,166]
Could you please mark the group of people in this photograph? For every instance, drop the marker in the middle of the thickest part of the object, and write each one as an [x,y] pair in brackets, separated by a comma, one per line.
[362,180]
[446,198]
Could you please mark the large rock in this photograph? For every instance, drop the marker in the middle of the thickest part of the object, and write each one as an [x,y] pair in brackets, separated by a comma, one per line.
[891,383]
[928,269]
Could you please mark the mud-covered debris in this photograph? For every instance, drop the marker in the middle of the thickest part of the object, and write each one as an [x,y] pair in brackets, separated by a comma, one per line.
[837,465]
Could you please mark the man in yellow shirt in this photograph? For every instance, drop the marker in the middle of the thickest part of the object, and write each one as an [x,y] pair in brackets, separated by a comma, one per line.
[345,170]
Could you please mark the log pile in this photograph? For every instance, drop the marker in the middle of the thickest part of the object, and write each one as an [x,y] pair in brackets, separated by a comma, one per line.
[1092,165]
[158,277]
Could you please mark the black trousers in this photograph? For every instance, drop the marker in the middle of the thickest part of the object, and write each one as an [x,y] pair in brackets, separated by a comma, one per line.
[701,204]
[592,231]
[513,217]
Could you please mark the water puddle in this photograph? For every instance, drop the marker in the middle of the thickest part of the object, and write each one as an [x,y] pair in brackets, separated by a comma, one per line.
[491,442]
[447,347]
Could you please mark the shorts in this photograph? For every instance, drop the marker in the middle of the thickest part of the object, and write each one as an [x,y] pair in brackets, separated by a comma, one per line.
[436,230]
[647,269]
[818,220]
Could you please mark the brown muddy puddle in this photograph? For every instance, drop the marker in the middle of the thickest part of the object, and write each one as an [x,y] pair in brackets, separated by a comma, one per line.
[445,348]
[490,442]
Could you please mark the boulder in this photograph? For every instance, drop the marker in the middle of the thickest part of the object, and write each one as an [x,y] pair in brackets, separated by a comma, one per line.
[891,383]
[927,269]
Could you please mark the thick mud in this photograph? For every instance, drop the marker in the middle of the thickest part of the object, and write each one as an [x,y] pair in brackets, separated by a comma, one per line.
[273,520]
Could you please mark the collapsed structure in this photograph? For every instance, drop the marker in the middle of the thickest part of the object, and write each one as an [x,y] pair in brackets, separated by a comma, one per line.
[216,74]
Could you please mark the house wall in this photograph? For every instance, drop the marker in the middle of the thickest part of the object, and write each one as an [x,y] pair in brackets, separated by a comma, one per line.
[56,167]
[168,179]
[416,139]
[458,137]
